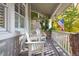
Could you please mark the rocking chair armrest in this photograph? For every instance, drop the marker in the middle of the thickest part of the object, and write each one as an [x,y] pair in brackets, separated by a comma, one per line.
[34,42]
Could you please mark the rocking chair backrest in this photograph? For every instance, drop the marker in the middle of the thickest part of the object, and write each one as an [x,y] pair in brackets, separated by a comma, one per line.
[27,36]
[24,38]
[32,46]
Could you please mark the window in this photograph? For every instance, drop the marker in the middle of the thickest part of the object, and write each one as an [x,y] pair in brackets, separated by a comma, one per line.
[22,10]
[16,20]
[3,9]
[21,22]
[19,15]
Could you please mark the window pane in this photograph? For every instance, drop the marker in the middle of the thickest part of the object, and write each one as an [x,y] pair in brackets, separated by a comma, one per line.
[2,16]
[16,7]
[22,22]
[16,20]
[19,17]
[22,9]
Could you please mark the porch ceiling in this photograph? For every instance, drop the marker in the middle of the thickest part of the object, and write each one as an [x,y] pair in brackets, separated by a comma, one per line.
[44,8]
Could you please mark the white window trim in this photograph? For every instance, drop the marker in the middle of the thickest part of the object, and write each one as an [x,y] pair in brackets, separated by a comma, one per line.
[5,18]
[4,34]
[19,19]
[18,13]
[2,29]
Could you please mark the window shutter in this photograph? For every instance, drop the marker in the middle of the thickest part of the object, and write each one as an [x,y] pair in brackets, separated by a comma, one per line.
[2,16]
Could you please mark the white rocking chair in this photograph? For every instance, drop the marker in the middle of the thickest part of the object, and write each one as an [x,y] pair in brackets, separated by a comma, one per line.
[33,47]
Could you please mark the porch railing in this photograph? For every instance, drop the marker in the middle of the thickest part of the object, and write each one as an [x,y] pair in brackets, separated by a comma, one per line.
[63,40]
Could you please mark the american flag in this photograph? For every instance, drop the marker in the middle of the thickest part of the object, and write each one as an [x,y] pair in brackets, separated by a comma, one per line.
[61,24]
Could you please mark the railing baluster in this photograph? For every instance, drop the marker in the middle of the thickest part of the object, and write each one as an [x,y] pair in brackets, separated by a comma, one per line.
[63,40]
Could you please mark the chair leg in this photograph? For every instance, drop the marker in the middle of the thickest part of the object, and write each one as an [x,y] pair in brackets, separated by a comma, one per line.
[42,50]
[29,51]
[42,54]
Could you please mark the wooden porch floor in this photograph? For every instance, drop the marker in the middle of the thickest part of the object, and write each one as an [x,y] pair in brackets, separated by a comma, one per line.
[51,49]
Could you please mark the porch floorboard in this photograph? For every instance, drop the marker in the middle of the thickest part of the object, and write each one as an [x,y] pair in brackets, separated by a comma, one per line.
[51,49]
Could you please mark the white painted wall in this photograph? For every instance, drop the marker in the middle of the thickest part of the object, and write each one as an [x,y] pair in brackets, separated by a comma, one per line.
[9,39]
[9,44]
[11,17]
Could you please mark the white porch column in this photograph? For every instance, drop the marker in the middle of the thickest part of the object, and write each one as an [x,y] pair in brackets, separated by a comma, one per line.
[27,17]
[11,17]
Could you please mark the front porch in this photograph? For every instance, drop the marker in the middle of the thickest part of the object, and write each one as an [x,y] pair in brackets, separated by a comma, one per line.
[51,49]
[20,31]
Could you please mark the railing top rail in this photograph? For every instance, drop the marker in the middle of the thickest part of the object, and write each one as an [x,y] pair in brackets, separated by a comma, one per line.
[67,32]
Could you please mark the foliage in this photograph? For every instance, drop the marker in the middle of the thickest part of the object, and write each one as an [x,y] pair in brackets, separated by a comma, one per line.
[45,25]
[71,20]
[34,16]
[70,15]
